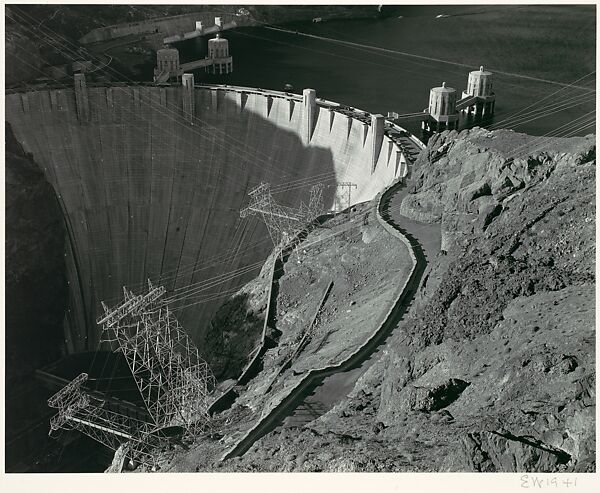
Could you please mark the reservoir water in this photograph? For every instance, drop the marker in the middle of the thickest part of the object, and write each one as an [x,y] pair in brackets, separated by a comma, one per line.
[542,46]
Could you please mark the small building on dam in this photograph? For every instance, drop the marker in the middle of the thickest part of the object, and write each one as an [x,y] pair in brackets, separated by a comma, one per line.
[151,180]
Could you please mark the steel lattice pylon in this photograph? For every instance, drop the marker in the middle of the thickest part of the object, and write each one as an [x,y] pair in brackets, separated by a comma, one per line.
[349,185]
[173,380]
[283,222]
[77,410]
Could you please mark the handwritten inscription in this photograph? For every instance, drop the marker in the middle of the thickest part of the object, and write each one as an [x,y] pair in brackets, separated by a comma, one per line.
[546,481]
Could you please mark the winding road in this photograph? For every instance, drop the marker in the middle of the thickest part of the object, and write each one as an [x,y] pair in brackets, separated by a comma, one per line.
[326,388]
[425,240]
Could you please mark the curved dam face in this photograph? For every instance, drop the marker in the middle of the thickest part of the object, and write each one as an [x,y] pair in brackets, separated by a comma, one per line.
[151,181]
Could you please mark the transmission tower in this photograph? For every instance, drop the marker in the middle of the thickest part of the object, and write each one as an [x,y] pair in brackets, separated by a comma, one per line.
[78,410]
[283,222]
[350,186]
[315,202]
[174,382]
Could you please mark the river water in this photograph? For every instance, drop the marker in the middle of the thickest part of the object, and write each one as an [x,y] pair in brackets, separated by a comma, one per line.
[539,45]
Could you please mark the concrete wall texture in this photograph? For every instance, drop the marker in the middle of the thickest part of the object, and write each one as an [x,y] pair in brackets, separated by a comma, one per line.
[151,181]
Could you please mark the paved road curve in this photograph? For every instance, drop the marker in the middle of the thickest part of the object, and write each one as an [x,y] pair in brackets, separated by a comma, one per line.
[319,395]
[426,241]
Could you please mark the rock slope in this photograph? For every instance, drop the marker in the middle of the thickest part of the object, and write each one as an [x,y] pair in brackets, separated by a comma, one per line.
[494,370]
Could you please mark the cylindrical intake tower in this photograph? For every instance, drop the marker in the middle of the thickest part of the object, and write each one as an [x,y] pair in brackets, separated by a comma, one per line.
[218,51]
[167,64]
[167,59]
[480,86]
[442,108]
[480,83]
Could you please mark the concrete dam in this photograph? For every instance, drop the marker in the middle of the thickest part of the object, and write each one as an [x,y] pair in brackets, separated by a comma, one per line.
[151,180]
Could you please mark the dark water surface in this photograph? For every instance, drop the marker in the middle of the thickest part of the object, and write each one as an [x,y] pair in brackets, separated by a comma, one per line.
[555,43]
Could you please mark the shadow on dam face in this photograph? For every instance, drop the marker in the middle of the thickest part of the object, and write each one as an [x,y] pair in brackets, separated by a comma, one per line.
[36,288]
[150,191]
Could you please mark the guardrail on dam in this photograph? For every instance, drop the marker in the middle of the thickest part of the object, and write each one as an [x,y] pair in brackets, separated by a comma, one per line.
[151,179]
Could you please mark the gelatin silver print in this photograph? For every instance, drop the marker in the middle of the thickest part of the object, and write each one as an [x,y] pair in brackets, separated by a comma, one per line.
[300,238]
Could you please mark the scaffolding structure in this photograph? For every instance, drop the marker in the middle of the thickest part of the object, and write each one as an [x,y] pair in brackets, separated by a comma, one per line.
[173,381]
[283,222]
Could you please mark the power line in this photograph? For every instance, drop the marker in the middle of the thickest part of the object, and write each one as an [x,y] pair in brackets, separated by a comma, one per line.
[533,105]
[422,57]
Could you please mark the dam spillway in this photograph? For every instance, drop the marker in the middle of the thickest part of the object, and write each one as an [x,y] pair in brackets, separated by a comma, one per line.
[151,180]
